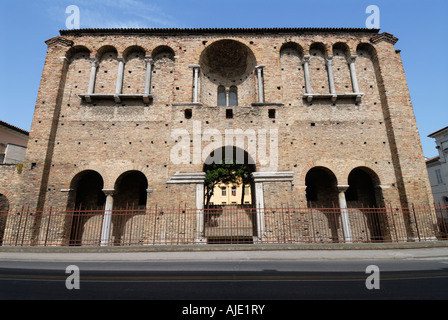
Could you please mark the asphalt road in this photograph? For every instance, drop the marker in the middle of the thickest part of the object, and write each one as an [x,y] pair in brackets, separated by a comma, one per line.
[259,281]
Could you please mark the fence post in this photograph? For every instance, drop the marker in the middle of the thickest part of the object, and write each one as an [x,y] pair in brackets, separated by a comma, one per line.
[48,228]
[310,212]
[24,228]
[416,223]
[20,224]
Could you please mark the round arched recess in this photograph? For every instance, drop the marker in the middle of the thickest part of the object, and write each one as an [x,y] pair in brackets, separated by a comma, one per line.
[365,195]
[134,52]
[321,188]
[4,208]
[86,191]
[4,203]
[162,52]
[78,52]
[131,191]
[227,62]
[364,190]
[86,200]
[363,48]
[291,48]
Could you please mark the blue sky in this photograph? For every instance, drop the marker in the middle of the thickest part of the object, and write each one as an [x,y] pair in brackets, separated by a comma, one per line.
[421,26]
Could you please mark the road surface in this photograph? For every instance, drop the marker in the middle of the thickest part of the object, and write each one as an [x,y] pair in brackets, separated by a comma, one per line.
[225,280]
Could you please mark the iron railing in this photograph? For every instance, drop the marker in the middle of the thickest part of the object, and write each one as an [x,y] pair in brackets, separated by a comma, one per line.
[222,224]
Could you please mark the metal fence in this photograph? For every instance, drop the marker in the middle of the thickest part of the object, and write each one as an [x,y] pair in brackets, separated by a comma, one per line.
[222,224]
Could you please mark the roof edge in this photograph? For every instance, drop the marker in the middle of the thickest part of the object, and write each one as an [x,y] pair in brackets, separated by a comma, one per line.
[433,159]
[12,127]
[437,132]
[211,30]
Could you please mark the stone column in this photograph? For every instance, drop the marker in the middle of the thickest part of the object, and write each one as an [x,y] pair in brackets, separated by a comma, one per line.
[94,66]
[260,83]
[259,198]
[120,74]
[329,62]
[306,62]
[105,231]
[200,213]
[352,60]
[148,79]
[195,82]
[344,214]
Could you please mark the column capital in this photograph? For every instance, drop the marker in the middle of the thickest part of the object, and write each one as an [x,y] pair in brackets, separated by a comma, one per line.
[109,192]
[149,60]
[342,188]
[306,58]
[260,67]
[94,62]
[194,66]
[352,58]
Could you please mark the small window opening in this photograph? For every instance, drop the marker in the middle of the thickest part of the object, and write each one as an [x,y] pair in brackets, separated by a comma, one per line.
[222,96]
[233,96]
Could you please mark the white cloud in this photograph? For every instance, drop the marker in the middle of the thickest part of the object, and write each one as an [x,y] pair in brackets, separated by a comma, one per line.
[115,14]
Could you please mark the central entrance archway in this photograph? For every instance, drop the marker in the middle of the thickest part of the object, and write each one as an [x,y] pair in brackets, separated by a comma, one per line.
[226,170]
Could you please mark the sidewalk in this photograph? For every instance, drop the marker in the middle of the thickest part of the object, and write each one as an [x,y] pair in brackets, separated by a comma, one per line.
[414,250]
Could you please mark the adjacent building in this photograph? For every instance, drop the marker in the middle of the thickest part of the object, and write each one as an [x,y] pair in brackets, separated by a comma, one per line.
[13,143]
[229,194]
[438,168]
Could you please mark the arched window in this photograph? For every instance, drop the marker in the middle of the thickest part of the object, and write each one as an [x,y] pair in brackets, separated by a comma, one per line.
[233,96]
[222,101]
[227,98]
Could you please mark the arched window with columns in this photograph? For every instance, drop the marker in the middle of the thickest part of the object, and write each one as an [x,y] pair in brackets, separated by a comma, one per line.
[134,75]
[318,69]
[233,96]
[163,74]
[107,70]
[291,59]
[341,69]
[78,73]
[222,99]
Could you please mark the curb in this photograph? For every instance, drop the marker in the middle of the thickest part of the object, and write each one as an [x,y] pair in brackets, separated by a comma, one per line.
[233,247]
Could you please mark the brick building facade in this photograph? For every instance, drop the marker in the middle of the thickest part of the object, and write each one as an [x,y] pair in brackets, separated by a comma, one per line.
[128,118]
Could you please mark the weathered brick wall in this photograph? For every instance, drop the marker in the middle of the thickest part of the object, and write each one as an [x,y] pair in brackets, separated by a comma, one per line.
[10,182]
[135,71]
[70,135]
